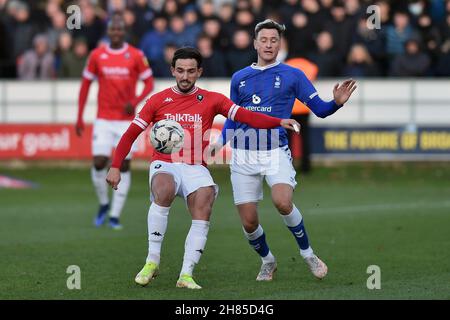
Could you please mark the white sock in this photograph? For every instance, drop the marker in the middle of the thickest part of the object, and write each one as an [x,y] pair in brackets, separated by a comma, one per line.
[293,219]
[120,195]
[101,187]
[194,245]
[255,235]
[157,225]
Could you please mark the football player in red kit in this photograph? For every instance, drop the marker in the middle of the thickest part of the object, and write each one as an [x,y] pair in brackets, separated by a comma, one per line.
[117,67]
[183,173]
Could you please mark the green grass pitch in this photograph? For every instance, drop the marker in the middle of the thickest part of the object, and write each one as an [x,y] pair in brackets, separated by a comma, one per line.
[394,216]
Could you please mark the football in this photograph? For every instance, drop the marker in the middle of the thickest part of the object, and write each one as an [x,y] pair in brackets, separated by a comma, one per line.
[167,136]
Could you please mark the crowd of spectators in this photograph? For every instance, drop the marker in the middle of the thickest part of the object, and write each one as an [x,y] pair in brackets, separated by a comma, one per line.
[413,38]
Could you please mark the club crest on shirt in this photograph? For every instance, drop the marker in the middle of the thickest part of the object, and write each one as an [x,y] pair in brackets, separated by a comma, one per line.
[199,97]
[103,56]
[277,83]
[127,55]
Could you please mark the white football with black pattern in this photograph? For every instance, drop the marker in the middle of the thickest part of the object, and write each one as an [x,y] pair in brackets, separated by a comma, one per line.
[167,136]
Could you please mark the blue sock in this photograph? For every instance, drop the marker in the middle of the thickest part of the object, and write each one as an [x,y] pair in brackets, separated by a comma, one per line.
[257,240]
[300,235]
[294,221]
[260,245]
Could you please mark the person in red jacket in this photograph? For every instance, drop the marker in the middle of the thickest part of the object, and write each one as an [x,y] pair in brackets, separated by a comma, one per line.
[117,67]
[183,173]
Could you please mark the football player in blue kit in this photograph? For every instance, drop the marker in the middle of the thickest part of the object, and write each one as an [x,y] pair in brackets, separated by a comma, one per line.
[271,87]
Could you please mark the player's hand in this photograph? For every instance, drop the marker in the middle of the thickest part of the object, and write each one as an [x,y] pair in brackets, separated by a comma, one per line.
[113,177]
[79,128]
[129,110]
[343,92]
[291,124]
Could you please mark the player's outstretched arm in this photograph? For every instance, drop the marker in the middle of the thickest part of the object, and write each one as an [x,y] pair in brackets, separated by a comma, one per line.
[122,149]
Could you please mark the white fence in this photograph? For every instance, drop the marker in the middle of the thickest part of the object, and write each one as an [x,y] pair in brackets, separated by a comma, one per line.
[375,102]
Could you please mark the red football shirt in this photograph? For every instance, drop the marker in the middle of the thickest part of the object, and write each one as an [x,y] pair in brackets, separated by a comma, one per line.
[117,71]
[195,111]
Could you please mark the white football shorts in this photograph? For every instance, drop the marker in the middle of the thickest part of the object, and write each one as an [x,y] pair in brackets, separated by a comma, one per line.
[106,136]
[188,177]
[250,167]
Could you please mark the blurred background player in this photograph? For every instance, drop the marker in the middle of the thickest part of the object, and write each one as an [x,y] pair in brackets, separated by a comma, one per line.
[117,66]
[270,87]
[183,173]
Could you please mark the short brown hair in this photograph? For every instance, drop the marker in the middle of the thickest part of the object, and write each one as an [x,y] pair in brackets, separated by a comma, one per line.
[187,53]
[270,24]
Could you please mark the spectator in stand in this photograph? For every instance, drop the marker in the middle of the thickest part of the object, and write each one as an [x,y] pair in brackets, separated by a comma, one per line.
[57,27]
[129,19]
[397,34]
[353,11]
[299,36]
[154,41]
[412,63]
[73,61]
[443,64]
[178,34]
[193,26]
[258,9]
[64,45]
[360,63]
[384,8]
[374,41]
[37,63]
[316,16]
[144,15]
[213,60]
[245,20]
[325,56]
[92,28]
[170,8]
[20,27]
[340,28]
[242,53]
[213,29]
[163,67]
[430,36]
[288,8]
[207,10]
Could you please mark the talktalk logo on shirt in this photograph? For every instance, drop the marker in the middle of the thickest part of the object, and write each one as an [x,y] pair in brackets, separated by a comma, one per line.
[184,117]
[115,71]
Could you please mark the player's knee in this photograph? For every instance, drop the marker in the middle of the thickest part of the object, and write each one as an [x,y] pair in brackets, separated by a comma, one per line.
[250,225]
[100,163]
[283,205]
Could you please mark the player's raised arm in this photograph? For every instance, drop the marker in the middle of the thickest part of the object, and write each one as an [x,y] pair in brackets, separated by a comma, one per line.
[309,96]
